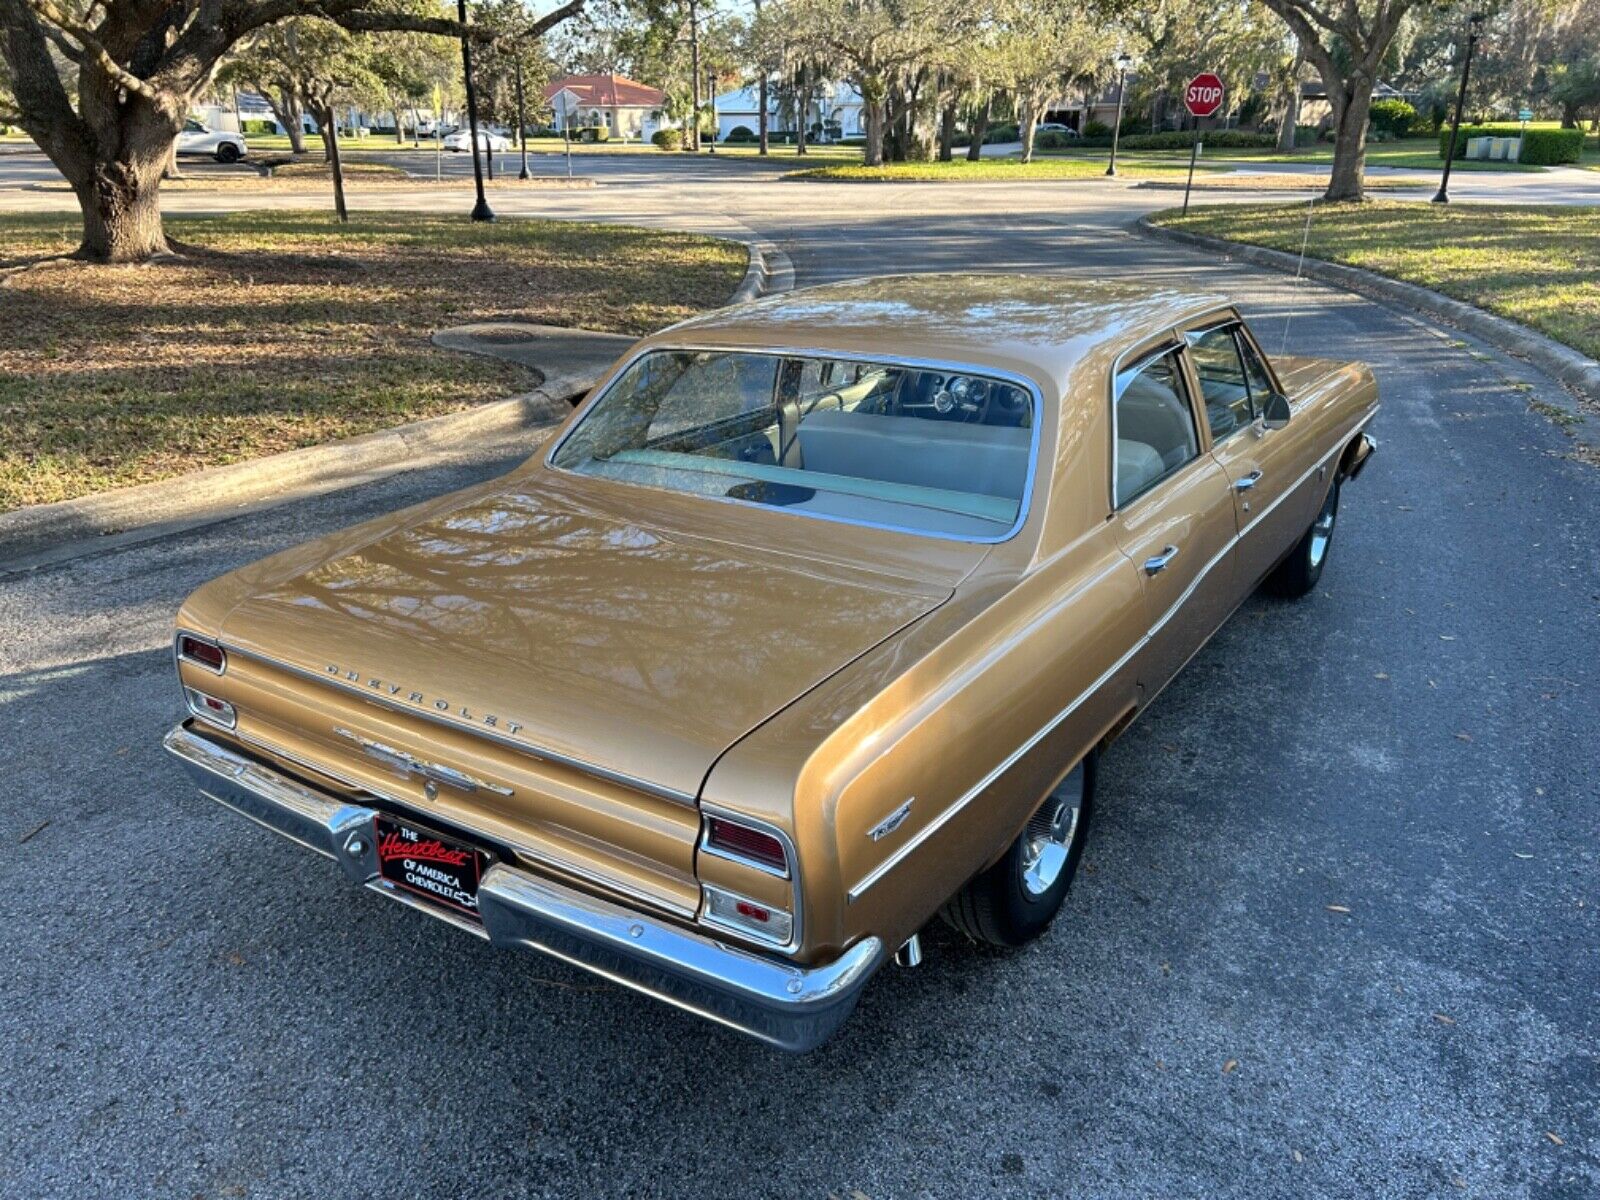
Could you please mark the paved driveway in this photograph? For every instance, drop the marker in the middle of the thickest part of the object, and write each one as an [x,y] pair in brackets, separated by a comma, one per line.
[1336,933]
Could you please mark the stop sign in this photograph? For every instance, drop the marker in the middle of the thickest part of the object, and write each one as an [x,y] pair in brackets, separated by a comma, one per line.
[1203,96]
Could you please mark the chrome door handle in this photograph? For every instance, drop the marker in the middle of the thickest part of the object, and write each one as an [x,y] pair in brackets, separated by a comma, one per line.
[1158,563]
[1245,483]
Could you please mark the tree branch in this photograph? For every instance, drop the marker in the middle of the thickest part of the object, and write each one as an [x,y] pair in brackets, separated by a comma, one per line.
[51,19]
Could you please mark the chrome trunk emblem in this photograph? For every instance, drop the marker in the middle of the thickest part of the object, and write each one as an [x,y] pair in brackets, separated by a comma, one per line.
[892,822]
[433,773]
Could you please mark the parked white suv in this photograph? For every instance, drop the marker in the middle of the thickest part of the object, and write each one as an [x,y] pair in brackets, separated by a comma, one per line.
[197,138]
[495,143]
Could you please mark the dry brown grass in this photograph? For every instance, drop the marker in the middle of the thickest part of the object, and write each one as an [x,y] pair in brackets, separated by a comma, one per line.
[281,330]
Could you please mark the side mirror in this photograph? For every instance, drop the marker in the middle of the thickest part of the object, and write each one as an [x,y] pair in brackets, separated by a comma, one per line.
[1276,413]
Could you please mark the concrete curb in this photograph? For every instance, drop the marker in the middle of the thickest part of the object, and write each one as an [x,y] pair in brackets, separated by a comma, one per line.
[71,528]
[46,534]
[1561,362]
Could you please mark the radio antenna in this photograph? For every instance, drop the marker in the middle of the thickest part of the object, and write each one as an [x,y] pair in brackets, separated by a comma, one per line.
[1299,268]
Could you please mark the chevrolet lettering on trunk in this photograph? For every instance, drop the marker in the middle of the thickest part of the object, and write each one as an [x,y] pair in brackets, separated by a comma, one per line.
[812,623]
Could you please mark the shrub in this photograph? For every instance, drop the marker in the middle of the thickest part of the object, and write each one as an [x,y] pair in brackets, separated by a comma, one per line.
[1540,147]
[1096,129]
[1052,139]
[258,126]
[1182,139]
[595,133]
[667,139]
[1393,117]
[1001,133]
[742,134]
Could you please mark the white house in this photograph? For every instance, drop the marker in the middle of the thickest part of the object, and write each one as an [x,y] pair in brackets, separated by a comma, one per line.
[836,107]
[628,109]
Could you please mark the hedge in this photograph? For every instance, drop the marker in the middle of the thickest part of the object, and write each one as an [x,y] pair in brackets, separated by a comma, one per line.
[1393,117]
[741,134]
[1540,147]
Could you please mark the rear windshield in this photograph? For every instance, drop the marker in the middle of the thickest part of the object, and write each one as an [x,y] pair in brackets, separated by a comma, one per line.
[907,447]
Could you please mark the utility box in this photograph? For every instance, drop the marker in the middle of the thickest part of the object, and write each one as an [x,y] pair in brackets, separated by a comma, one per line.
[1494,149]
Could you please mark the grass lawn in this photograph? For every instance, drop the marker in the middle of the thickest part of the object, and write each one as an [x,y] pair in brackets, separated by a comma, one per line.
[993,168]
[1540,266]
[282,329]
[1412,154]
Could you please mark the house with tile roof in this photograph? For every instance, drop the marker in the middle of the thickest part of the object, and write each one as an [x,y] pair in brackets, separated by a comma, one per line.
[630,110]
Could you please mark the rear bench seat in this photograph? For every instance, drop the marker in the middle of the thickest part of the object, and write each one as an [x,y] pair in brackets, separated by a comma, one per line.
[988,460]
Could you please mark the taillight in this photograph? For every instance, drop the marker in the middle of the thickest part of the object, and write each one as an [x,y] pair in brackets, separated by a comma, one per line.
[209,708]
[745,843]
[202,653]
[748,916]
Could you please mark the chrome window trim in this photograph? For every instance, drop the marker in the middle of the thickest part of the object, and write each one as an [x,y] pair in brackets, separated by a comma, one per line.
[797,910]
[1142,360]
[531,749]
[1024,505]
[952,810]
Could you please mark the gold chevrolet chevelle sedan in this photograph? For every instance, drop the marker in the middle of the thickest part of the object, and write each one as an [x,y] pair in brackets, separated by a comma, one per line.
[809,624]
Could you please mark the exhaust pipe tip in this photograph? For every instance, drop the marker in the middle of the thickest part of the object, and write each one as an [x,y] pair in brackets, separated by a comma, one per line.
[910,952]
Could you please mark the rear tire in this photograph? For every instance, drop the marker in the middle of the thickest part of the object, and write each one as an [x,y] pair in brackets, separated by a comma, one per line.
[1296,575]
[1015,900]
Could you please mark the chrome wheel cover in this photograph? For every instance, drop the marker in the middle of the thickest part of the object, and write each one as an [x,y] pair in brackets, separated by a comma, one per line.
[1047,842]
[1322,527]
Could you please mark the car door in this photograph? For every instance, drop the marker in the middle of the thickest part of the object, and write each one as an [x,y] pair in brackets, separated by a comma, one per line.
[1173,514]
[191,137]
[1262,464]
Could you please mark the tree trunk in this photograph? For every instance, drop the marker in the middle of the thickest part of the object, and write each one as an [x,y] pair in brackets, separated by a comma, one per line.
[116,176]
[947,131]
[399,130]
[286,108]
[1352,103]
[980,129]
[1290,124]
[802,102]
[1030,123]
[873,156]
[122,214]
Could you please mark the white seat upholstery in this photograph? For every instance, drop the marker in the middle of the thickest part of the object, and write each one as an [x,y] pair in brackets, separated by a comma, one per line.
[954,456]
[1138,466]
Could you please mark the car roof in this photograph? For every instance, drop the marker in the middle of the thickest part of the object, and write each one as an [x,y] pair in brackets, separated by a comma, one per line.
[1044,327]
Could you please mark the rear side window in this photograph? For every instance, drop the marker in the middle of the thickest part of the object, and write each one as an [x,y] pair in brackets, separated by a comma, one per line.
[1154,425]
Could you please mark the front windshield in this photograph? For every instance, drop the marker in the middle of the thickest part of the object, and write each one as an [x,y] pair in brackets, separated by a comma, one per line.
[925,449]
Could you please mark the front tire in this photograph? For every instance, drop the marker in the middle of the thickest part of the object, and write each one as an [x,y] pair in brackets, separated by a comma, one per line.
[1296,575]
[1015,900]
[228,153]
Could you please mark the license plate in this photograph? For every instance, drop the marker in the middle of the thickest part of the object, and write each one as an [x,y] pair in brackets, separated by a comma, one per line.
[437,868]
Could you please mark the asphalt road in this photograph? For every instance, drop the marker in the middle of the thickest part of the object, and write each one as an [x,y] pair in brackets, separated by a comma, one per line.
[1336,933]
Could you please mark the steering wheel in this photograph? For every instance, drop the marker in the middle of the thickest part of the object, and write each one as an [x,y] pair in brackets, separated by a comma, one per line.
[953,398]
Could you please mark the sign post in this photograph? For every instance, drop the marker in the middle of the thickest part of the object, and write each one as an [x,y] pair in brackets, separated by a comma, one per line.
[1202,97]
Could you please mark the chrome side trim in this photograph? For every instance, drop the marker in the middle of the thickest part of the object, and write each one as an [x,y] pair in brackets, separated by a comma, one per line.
[1024,506]
[933,826]
[528,748]
[781,1003]
[944,818]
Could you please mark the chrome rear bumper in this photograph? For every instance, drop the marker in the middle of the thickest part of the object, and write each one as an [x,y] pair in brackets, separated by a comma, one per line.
[793,1007]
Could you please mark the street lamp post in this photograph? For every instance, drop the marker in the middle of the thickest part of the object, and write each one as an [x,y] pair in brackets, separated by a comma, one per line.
[481,210]
[1124,65]
[1474,32]
[522,123]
